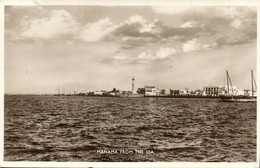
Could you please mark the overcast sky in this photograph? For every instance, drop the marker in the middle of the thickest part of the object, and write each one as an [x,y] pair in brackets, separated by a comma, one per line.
[88,48]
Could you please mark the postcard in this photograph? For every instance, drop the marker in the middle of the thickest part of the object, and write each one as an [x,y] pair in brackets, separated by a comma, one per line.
[150,84]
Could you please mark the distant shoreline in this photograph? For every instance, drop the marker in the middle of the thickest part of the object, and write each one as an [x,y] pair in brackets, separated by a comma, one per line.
[110,96]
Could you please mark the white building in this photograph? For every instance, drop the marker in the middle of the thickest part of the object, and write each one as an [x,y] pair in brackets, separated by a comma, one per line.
[228,90]
[211,90]
[151,91]
[99,92]
[167,92]
[183,92]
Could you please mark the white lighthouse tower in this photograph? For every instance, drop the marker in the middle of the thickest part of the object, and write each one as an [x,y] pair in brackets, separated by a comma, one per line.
[133,85]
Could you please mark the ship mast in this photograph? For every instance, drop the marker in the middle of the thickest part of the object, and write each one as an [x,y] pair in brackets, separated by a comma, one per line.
[255,84]
[229,82]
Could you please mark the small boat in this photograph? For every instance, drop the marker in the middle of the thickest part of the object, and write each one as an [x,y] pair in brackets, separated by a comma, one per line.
[238,99]
[231,97]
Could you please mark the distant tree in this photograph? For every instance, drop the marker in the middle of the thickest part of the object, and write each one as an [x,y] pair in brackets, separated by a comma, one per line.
[90,93]
[114,90]
[140,91]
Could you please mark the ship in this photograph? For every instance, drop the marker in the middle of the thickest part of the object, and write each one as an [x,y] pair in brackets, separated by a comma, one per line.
[232,97]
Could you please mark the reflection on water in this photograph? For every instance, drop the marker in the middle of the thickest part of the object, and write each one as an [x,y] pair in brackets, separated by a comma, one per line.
[57,128]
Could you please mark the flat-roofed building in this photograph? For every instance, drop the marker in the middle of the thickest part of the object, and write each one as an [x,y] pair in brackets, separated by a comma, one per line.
[183,92]
[228,90]
[151,91]
[167,92]
[211,90]
[99,92]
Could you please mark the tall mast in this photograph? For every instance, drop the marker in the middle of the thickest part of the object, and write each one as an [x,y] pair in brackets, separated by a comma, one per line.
[252,83]
[227,81]
[255,83]
[230,82]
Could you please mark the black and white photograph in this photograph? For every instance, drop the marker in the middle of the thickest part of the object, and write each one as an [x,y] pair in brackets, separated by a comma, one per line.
[130,83]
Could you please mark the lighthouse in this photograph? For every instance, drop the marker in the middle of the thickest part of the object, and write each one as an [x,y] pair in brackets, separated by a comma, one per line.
[133,85]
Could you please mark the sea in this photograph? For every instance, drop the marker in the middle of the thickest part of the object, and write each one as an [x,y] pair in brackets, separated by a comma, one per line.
[112,129]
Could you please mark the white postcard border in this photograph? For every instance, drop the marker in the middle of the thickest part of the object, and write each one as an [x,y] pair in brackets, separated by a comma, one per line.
[4,3]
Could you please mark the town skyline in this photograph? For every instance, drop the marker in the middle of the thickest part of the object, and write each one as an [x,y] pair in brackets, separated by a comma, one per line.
[94,48]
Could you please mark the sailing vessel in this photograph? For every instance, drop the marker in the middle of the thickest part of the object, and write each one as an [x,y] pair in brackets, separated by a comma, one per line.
[231,97]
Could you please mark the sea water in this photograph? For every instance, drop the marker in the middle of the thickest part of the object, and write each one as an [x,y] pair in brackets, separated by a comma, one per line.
[74,128]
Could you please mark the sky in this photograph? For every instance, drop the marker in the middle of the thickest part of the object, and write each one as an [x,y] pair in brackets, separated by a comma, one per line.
[89,48]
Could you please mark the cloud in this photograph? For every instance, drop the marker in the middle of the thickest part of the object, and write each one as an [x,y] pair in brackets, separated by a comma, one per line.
[119,58]
[229,25]
[162,54]
[171,9]
[136,57]
[137,26]
[191,45]
[146,55]
[236,23]
[95,31]
[136,19]
[144,25]
[59,23]
[165,52]
[186,33]
[131,30]
[138,31]
[189,24]
[233,40]
[227,12]
[223,26]
[196,45]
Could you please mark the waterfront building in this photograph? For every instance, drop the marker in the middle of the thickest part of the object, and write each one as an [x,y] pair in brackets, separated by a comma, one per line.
[198,92]
[151,91]
[211,90]
[113,93]
[240,92]
[192,92]
[167,92]
[219,90]
[99,92]
[226,89]
[183,92]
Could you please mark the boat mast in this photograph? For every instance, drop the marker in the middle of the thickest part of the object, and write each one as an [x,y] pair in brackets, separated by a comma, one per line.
[255,84]
[227,81]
